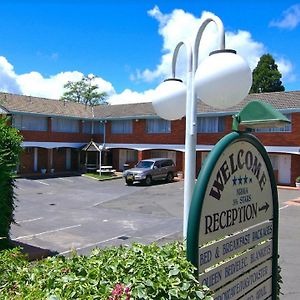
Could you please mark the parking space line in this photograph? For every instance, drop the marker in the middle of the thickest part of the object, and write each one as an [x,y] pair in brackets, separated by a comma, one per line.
[30,220]
[41,182]
[64,179]
[46,232]
[283,207]
[92,244]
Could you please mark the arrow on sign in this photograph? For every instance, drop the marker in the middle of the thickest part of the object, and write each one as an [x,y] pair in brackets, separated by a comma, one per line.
[264,207]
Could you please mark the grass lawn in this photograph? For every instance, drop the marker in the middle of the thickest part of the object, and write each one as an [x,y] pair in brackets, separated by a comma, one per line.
[102,177]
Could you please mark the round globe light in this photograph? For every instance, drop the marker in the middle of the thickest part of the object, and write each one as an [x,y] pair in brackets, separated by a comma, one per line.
[223,79]
[170,99]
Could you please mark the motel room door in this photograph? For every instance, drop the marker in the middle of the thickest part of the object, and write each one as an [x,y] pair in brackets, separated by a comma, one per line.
[284,169]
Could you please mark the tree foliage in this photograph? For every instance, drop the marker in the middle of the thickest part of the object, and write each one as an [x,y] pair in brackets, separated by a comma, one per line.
[84,91]
[10,148]
[266,77]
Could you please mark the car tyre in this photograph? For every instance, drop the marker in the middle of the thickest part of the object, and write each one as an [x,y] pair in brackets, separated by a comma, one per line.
[170,177]
[148,180]
[129,182]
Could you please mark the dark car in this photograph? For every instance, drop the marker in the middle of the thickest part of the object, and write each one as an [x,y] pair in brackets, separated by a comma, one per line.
[148,170]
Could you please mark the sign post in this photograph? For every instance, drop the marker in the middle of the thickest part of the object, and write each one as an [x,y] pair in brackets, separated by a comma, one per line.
[232,236]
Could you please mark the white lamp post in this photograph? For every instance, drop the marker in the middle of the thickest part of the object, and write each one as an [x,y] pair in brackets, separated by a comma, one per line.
[222,80]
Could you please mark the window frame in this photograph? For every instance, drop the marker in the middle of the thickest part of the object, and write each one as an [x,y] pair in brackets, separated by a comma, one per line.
[22,122]
[219,124]
[158,126]
[125,127]
[62,127]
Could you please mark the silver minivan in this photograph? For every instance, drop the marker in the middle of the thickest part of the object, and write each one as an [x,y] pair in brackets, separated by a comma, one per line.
[148,170]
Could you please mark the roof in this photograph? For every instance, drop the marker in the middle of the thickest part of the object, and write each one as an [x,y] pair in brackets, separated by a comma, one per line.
[92,147]
[134,110]
[26,104]
[49,107]
[279,100]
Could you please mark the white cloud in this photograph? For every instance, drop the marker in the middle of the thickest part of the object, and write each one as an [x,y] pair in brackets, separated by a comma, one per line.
[182,26]
[129,96]
[290,18]
[286,68]
[35,84]
[8,77]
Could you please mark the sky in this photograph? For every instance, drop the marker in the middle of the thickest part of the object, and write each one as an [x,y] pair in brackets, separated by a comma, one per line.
[128,44]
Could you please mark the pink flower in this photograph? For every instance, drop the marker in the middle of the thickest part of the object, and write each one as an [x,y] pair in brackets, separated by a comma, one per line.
[119,291]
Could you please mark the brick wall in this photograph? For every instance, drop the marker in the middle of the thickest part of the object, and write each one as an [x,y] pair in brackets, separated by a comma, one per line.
[49,136]
[59,159]
[27,161]
[140,136]
[42,158]
[295,168]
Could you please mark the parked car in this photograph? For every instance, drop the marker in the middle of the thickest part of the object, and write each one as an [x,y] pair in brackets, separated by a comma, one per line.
[148,170]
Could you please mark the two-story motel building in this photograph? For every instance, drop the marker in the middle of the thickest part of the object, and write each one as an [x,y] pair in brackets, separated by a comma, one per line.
[55,133]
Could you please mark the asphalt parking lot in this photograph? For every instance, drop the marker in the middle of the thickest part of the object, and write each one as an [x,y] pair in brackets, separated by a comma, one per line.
[78,213]
[62,214]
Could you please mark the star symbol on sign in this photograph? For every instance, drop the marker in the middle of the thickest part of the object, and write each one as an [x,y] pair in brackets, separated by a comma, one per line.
[250,180]
[240,180]
[245,179]
[234,181]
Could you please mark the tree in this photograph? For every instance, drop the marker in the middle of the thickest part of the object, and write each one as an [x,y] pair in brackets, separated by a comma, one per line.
[266,77]
[10,148]
[84,91]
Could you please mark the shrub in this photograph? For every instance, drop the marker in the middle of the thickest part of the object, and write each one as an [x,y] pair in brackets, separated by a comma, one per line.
[136,272]
[10,147]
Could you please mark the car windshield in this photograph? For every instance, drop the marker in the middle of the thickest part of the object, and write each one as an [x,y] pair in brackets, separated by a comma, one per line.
[144,164]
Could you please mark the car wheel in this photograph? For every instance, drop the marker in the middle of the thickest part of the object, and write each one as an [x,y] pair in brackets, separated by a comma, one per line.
[148,180]
[129,182]
[170,177]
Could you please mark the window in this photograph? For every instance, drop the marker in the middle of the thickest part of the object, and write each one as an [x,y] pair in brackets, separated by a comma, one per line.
[158,126]
[87,127]
[26,122]
[164,154]
[92,127]
[98,127]
[65,125]
[286,128]
[210,124]
[121,126]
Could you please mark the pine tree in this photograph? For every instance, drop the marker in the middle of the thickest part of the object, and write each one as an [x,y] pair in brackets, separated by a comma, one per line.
[266,77]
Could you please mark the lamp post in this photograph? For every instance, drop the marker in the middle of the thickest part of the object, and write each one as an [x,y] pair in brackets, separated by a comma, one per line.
[222,80]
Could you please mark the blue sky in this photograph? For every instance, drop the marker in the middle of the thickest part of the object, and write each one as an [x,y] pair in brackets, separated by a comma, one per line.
[128,44]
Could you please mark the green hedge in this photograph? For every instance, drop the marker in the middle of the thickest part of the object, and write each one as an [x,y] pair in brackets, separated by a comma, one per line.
[10,148]
[136,272]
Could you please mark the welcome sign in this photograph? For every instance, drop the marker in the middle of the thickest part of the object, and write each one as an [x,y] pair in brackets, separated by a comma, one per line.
[233,223]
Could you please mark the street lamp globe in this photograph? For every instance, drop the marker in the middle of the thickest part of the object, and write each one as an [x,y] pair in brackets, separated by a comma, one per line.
[170,99]
[223,79]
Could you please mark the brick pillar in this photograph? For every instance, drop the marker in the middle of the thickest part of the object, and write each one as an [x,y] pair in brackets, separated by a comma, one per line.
[140,155]
[49,159]
[198,162]
[179,161]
